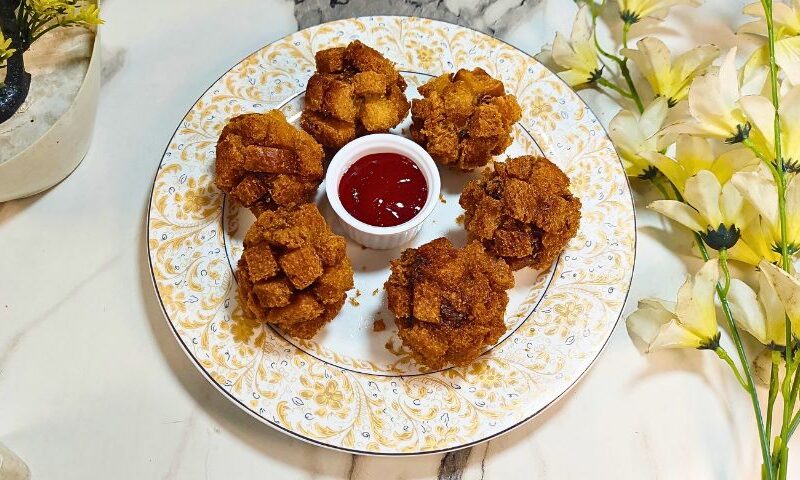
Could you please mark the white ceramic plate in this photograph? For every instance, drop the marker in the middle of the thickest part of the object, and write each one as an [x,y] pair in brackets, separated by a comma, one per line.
[351,388]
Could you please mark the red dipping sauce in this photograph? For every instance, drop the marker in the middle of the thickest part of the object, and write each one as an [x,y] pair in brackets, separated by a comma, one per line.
[383,189]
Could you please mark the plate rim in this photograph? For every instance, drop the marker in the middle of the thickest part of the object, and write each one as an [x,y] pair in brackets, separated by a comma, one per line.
[281,428]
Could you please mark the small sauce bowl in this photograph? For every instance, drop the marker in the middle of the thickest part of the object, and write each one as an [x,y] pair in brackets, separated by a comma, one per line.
[370,236]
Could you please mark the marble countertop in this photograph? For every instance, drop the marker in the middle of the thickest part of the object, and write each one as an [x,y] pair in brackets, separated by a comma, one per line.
[93,384]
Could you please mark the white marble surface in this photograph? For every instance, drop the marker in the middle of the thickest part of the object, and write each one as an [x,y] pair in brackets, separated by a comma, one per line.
[93,385]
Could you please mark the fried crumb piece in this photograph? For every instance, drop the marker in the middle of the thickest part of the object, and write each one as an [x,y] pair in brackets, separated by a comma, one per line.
[378,325]
[464,118]
[355,91]
[442,199]
[449,303]
[264,163]
[460,219]
[307,285]
[375,292]
[354,302]
[522,211]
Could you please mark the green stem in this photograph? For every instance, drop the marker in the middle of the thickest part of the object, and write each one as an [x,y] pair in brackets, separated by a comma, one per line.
[748,374]
[722,354]
[660,187]
[773,391]
[626,27]
[795,423]
[626,74]
[789,395]
[620,61]
[723,261]
[602,81]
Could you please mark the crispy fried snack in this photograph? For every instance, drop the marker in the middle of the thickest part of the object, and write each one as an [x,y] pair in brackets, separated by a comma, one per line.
[265,163]
[355,91]
[449,302]
[522,211]
[294,272]
[464,118]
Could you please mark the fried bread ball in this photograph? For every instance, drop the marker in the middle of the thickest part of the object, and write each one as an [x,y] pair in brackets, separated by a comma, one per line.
[264,163]
[450,303]
[464,118]
[294,272]
[355,91]
[522,211]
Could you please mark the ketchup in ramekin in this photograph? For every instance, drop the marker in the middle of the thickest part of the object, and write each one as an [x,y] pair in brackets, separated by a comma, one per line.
[383,189]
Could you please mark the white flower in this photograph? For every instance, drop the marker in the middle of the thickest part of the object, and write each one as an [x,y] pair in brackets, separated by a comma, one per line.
[760,190]
[761,113]
[787,288]
[631,11]
[689,323]
[578,54]
[668,79]
[786,21]
[785,18]
[715,212]
[693,154]
[714,102]
[634,134]
[762,315]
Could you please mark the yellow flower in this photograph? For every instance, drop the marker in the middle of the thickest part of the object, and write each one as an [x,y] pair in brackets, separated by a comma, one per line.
[634,134]
[689,323]
[787,288]
[631,11]
[714,103]
[667,79]
[761,113]
[786,21]
[693,154]
[785,18]
[714,211]
[762,315]
[759,189]
[578,54]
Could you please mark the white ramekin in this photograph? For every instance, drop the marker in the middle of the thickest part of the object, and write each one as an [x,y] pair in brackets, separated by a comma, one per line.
[368,235]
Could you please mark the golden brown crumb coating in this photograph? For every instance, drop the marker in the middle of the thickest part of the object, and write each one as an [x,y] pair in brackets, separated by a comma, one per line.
[449,302]
[464,118]
[355,91]
[294,272]
[522,211]
[264,163]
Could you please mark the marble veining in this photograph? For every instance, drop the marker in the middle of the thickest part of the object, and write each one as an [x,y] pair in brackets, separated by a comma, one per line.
[494,17]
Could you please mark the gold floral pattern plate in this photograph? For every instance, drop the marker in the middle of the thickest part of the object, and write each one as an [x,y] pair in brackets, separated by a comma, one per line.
[351,388]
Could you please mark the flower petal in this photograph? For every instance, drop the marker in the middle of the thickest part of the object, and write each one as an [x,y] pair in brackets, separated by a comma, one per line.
[746,309]
[787,289]
[646,321]
[695,308]
[787,56]
[703,193]
[759,189]
[674,335]
[793,210]
[774,313]
[681,213]
[653,117]
[761,114]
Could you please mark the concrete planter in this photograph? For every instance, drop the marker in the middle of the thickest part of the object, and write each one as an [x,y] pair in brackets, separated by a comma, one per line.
[61,148]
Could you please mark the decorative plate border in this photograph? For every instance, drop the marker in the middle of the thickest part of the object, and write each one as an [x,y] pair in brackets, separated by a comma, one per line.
[368,414]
